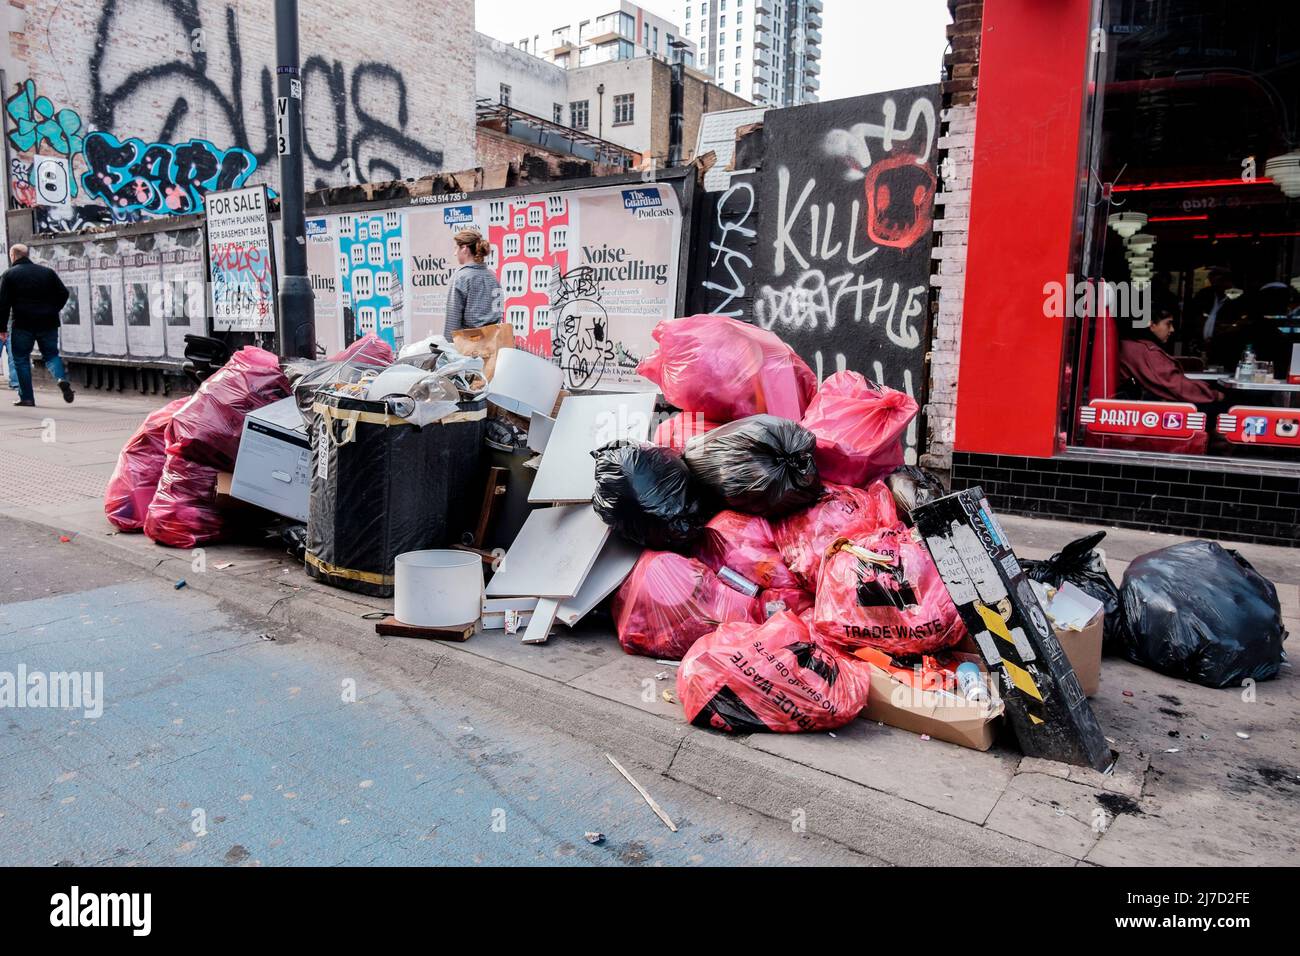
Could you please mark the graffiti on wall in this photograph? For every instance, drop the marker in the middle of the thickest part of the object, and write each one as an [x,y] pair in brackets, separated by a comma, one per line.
[135,179]
[215,132]
[346,138]
[36,124]
[842,255]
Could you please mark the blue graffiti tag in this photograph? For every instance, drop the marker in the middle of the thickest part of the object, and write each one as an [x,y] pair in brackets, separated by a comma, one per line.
[37,122]
[138,180]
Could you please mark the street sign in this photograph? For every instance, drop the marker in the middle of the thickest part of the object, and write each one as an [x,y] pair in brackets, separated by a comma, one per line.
[283,144]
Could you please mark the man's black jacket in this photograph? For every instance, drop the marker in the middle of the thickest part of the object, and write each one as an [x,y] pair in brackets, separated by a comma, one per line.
[32,295]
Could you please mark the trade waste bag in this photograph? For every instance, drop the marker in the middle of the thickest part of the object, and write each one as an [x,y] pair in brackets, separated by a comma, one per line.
[184,512]
[880,588]
[776,676]
[858,425]
[745,544]
[139,467]
[803,537]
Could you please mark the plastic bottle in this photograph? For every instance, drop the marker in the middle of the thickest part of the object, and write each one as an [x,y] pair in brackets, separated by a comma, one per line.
[1246,367]
[970,683]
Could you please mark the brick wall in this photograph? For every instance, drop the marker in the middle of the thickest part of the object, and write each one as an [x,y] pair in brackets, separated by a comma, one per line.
[388,94]
[957,146]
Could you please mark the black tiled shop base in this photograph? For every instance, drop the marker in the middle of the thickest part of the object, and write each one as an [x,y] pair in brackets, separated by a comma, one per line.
[1233,505]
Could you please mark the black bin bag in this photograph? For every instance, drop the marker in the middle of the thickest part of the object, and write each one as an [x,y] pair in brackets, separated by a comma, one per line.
[913,486]
[761,465]
[381,486]
[1080,564]
[647,495]
[1197,611]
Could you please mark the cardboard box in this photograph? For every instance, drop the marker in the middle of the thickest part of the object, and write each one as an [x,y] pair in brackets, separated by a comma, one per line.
[1045,703]
[895,701]
[1083,648]
[273,467]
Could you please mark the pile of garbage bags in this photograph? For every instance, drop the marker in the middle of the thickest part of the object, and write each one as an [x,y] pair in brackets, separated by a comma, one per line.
[165,482]
[777,548]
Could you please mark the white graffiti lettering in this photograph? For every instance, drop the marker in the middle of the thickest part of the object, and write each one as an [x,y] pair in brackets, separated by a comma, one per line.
[815,302]
[728,256]
[851,144]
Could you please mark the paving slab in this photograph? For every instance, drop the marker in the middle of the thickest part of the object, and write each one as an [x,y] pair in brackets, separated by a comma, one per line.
[954,780]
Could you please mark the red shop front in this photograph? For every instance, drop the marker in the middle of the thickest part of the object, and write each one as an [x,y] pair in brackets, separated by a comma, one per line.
[1130,334]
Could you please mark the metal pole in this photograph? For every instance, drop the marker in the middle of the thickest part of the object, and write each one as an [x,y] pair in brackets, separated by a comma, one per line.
[297,321]
[676,100]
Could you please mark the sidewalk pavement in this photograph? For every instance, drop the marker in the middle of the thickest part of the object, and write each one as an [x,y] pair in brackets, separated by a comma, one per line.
[1204,777]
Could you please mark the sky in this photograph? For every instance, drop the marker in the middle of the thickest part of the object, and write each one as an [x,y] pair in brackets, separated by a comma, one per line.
[867,45]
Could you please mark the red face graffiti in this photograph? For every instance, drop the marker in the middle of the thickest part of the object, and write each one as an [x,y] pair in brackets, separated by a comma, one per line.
[900,194]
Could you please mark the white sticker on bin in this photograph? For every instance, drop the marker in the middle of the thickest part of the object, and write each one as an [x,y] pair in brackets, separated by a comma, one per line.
[988,648]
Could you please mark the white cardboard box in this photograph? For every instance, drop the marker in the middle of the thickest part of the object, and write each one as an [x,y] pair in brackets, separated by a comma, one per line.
[273,468]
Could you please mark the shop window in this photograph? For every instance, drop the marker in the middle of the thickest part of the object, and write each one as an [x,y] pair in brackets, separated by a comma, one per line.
[1184,304]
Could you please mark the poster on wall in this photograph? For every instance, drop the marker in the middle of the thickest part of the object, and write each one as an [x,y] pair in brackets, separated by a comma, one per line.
[372,274]
[71,263]
[142,288]
[107,310]
[323,274]
[585,274]
[433,262]
[842,258]
[241,263]
[184,297]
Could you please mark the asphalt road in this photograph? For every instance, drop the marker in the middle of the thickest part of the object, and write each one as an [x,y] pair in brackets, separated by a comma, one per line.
[224,743]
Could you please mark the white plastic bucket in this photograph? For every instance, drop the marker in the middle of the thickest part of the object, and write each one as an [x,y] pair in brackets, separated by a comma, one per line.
[437,588]
[524,383]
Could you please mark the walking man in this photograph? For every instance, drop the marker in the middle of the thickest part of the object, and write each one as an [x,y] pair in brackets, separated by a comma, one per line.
[31,296]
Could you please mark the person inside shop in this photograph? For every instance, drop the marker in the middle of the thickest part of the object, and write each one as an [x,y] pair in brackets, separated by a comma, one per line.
[1212,313]
[1150,372]
[475,298]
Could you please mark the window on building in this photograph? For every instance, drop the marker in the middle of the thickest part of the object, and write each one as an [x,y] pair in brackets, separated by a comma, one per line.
[1194,264]
[736,87]
[738,33]
[624,109]
[722,22]
[688,14]
[578,114]
[722,53]
[503,94]
[688,29]
[557,113]
[655,34]
[645,35]
[582,31]
[737,69]
[737,53]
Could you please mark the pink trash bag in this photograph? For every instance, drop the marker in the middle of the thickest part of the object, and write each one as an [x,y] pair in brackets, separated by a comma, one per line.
[669,601]
[744,543]
[858,425]
[803,537]
[774,677]
[370,349]
[725,369]
[879,588]
[139,466]
[206,429]
[676,431]
[184,512]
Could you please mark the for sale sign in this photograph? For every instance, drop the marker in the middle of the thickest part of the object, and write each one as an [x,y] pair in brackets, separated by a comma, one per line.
[240,259]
